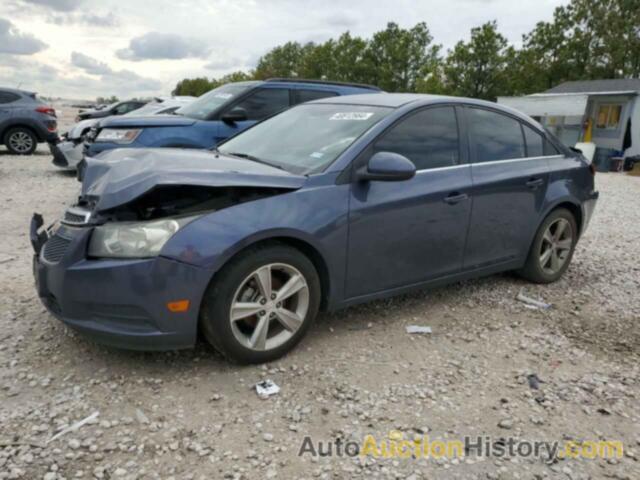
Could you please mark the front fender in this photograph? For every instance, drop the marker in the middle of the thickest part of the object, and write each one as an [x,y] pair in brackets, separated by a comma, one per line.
[316,216]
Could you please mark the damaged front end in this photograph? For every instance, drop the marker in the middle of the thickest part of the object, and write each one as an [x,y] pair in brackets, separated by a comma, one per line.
[172,201]
[101,270]
[135,200]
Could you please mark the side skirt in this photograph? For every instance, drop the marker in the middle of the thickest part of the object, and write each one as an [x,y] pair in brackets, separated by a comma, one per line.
[438,282]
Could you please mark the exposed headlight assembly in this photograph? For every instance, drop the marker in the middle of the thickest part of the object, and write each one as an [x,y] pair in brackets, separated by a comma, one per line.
[118,135]
[133,239]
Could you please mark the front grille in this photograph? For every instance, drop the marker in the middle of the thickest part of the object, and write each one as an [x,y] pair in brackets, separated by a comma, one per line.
[55,248]
[76,216]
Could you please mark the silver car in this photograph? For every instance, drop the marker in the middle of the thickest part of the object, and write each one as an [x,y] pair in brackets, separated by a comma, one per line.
[67,153]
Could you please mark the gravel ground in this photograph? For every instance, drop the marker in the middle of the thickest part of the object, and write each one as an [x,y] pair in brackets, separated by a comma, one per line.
[191,415]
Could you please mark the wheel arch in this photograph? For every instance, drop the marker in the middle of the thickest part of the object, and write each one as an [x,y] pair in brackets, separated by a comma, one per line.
[569,204]
[311,251]
[13,126]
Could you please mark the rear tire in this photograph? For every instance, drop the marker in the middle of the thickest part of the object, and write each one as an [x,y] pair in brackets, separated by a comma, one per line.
[21,141]
[268,320]
[552,248]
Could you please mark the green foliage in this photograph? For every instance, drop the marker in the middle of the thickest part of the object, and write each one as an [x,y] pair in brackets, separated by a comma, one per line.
[107,100]
[477,68]
[584,40]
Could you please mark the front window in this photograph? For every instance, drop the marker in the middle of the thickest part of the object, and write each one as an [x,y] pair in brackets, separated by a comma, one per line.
[206,104]
[428,138]
[305,139]
[264,102]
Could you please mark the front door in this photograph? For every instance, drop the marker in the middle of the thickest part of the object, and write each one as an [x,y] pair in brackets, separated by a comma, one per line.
[407,232]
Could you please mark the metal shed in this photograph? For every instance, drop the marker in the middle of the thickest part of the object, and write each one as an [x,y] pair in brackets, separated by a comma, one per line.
[605,112]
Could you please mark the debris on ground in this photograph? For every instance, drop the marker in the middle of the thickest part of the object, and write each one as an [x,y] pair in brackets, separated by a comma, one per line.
[6,258]
[534,381]
[266,388]
[418,329]
[532,302]
[75,426]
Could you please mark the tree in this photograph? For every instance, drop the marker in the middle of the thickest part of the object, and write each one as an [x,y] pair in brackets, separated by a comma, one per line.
[283,61]
[398,59]
[194,86]
[107,100]
[477,68]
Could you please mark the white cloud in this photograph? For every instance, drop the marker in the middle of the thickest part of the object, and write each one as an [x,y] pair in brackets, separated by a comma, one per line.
[193,38]
[15,42]
[156,45]
[90,65]
[60,5]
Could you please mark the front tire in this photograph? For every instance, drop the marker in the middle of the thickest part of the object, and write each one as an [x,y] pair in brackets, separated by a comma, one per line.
[552,248]
[21,141]
[261,304]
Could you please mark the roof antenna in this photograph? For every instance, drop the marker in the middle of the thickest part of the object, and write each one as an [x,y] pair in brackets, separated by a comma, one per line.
[18,87]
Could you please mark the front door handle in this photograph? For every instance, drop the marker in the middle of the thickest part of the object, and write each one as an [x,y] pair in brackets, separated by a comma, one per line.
[455,197]
[534,183]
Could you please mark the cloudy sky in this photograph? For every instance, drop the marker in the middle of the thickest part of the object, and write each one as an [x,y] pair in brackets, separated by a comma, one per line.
[82,48]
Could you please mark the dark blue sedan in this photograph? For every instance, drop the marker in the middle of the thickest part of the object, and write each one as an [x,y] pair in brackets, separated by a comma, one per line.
[326,205]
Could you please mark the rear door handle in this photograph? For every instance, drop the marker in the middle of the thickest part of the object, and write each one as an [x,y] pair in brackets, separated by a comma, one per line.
[534,183]
[455,197]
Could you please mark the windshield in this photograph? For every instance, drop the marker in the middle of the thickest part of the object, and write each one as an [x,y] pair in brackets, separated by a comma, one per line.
[148,109]
[206,104]
[305,139]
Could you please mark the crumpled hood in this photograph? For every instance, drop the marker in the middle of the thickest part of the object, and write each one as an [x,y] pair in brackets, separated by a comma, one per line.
[126,121]
[82,125]
[122,175]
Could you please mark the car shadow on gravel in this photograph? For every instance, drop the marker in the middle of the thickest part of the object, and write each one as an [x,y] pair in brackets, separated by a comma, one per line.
[343,322]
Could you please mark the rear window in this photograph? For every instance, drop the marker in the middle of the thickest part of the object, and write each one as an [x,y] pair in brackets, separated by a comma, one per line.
[495,136]
[8,97]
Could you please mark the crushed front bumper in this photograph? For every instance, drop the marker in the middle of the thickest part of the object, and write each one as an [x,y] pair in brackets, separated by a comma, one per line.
[116,302]
[67,154]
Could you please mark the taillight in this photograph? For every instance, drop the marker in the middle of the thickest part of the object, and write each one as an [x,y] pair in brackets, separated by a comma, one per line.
[47,110]
[592,169]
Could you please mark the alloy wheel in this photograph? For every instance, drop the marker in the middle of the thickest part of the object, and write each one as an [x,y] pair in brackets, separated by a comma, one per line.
[269,306]
[556,246]
[21,142]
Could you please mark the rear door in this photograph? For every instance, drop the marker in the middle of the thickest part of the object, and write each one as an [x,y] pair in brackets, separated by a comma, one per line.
[407,232]
[259,104]
[510,179]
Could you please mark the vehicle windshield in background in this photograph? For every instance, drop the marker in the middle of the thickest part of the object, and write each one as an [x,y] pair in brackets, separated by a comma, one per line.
[148,109]
[305,139]
[206,104]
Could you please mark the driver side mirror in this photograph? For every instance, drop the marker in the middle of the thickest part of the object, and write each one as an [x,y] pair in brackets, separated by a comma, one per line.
[386,167]
[234,115]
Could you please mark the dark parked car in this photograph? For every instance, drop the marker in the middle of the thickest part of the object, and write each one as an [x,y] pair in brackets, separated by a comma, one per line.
[329,204]
[214,116]
[25,120]
[117,108]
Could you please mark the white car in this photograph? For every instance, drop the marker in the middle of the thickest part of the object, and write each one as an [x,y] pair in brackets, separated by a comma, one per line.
[67,153]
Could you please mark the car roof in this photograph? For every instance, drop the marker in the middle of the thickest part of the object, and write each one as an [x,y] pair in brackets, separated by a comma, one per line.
[398,100]
[348,88]
[16,91]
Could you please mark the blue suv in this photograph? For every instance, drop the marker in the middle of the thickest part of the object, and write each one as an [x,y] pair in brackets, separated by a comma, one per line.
[215,116]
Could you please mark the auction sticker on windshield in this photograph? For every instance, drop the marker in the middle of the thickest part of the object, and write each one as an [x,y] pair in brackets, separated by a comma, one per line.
[351,116]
